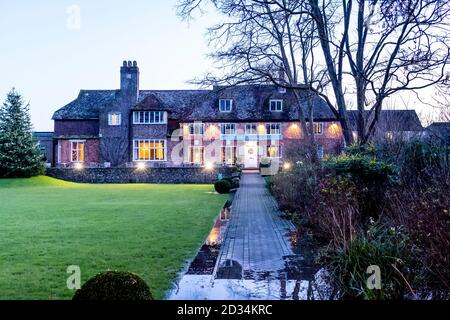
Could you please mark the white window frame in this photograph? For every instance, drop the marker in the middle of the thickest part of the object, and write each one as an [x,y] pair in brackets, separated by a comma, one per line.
[59,151]
[274,103]
[118,119]
[78,142]
[191,155]
[269,128]
[223,107]
[224,154]
[232,129]
[145,117]
[195,127]
[252,132]
[320,127]
[136,149]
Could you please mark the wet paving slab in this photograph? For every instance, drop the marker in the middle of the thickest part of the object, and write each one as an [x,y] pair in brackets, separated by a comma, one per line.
[254,254]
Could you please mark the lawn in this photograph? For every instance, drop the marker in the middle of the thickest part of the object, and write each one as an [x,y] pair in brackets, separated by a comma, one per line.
[47,225]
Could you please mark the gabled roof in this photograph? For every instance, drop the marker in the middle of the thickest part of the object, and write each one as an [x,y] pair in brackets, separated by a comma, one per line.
[392,120]
[250,103]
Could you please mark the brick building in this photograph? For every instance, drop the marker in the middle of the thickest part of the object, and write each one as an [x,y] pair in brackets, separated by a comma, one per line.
[225,125]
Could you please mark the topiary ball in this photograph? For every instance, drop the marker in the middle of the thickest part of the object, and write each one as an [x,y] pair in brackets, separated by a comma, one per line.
[222,186]
[114,285]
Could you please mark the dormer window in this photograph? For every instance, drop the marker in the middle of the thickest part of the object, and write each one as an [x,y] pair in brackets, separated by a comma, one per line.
[225,105]
[276,105]
[114,118]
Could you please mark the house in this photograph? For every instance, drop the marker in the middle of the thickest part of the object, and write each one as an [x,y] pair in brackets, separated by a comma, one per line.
[439,132]
[392,125]
[45,142]
[225,125]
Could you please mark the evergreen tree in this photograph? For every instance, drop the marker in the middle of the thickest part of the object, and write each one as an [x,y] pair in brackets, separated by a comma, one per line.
[19,153]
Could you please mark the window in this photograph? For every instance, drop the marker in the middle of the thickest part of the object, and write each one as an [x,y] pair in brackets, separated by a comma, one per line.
[149,150]
[227,128]
[273,128]
[196,154]
[276,105]
[149,117]
[251,128]
[77,151]
[320,151]
[318,127]
[196,128]
[114,118]
[229,154]
[273,151]
[225,105]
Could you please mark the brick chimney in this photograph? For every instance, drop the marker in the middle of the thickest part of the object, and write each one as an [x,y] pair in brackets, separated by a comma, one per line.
[129,81]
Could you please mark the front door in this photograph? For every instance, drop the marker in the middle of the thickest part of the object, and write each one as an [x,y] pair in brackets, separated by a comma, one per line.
[251,155]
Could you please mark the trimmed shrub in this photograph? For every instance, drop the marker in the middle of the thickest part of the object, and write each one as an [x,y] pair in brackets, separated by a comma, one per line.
[222,186]
[114,285]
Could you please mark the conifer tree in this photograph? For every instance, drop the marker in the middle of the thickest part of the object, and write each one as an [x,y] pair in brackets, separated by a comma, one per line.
[19,153]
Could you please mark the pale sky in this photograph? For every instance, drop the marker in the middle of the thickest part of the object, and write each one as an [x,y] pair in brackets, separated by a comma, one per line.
[48,56]
[48,59]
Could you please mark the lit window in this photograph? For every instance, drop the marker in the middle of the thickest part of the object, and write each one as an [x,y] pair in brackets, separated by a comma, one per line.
[318,127]
[229,155]
[196,155]
[225,105]
[149,117]
[114,118]
[251,128]
[227,128]
[77,151]
[276,105]
[273,128]
[273,151]
[149,150]
[196,128]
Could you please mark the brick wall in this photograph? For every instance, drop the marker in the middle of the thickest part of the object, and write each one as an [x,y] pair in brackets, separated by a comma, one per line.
[91,151]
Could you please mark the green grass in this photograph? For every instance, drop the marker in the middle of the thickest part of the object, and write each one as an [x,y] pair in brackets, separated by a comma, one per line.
[47,225]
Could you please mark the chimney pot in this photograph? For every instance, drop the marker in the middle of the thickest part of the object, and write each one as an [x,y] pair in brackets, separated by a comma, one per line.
[124,63]
[134,63]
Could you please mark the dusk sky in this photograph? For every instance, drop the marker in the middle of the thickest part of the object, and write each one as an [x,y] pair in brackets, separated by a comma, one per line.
[48,58]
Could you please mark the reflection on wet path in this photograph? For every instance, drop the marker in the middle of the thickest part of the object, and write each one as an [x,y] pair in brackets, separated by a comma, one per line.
[253,252]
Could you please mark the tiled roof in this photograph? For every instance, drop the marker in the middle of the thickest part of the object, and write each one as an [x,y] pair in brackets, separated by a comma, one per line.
[392,120]
[440,130]
[250,103]
[86,105]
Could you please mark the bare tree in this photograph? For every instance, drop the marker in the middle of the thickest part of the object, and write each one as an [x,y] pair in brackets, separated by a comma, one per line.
[376,48]
[263,44]
[114,150]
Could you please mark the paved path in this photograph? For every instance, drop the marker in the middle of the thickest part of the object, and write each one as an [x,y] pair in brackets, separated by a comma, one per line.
[257,237]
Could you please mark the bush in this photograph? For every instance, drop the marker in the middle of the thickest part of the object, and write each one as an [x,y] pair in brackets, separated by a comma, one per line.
[222,186]
[381,246]
[425,212]
[369,176]
[114,285]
